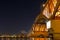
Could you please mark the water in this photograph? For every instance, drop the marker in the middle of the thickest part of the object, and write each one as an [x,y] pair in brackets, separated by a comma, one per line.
[17,38]
[9,38]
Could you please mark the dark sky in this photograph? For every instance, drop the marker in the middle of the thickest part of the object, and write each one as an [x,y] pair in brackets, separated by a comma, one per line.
[17,15]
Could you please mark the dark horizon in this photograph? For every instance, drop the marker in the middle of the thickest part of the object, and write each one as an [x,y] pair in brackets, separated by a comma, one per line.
[18,15]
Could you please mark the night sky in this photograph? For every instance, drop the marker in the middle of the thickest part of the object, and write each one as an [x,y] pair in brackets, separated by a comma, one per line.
[17,15]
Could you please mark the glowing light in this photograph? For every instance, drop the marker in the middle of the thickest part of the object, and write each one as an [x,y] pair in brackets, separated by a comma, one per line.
[33,28]
[32,38]
[48,24]
[59,8]
[54,2]
[58,14]
[43,5]
[37,28]
[32,32]
[46,12]
[49,9]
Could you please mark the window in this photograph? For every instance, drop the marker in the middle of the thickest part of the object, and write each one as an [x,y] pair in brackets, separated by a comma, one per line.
[48,24]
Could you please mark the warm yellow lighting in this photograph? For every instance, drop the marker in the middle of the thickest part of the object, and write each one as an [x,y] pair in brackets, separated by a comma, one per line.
[59,8]
[36,28]
[46,12]
[32,32]
[49,9]
[43,27]
[58,14]
[54,2]
[32,38]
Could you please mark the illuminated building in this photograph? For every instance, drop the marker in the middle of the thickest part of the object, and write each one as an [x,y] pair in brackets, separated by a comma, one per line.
[48,18]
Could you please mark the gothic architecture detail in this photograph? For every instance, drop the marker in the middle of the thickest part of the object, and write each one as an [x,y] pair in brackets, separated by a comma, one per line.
[47,19]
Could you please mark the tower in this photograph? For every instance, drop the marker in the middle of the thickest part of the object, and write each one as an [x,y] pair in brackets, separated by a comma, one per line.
[49,17]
